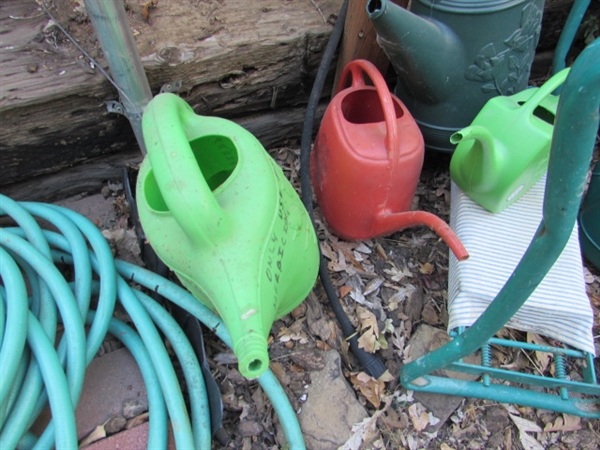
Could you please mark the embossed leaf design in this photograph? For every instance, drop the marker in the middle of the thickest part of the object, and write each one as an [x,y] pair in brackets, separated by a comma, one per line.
[496,60]
[487,88]
[490,67]
[485,61]
[474,73]
[530,17]
[487,52]
[531,20]
[518,41]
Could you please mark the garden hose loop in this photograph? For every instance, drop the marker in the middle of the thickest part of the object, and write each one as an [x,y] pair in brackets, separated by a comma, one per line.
[35,297]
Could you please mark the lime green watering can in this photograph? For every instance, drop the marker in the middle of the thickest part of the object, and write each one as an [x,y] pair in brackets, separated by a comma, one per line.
[220,213]
[506,148]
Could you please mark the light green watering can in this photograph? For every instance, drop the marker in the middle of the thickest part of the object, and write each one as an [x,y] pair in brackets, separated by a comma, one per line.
[220,213]
[506,148]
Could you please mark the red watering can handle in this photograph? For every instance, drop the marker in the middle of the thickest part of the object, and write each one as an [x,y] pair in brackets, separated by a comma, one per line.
[354,72]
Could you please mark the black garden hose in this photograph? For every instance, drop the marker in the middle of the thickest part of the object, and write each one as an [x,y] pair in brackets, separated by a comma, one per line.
[370,363]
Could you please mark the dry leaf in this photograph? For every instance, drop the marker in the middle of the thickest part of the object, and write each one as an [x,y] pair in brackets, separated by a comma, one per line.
[327,251]
[367,319]
[97,433]
[543,358]
[418,416]
[371,339]
[402,293]
[294,332]
[525,425]
[527,441]
[146,7]
[566,422]
[395,421]
[427,268]
[397,274]
[364,431]
[445,446]
[363,248]
[386,377]
[345,290]
[137,420]
[369,387]
[373,285]
[588,276]
[381,252]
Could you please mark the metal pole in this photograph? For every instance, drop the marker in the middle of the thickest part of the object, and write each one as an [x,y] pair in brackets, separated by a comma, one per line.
[112,29]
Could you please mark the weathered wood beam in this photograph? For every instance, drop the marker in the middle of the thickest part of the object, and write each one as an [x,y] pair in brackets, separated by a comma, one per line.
[234,58]
[272,129]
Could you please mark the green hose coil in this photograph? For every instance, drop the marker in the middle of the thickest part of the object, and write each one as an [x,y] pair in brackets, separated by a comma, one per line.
[35,297]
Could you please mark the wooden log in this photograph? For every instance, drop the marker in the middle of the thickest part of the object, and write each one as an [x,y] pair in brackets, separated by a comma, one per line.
[359,40]
[234,58]
[272,129]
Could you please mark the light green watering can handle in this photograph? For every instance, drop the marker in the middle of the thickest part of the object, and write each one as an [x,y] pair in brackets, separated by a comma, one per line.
[166,124]
[544,91]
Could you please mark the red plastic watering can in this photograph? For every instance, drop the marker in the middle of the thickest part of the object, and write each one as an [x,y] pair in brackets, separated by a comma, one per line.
[366,161]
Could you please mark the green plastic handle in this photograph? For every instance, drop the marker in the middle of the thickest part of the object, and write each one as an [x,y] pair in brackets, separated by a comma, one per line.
[544,91]
[166,124]
[492,157]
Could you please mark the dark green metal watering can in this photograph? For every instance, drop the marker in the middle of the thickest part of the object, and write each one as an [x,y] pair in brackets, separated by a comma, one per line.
[451,56]
[220,213]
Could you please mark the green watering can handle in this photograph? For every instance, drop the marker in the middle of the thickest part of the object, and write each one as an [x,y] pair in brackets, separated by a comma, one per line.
[544,91]
[165,124]
[353,72]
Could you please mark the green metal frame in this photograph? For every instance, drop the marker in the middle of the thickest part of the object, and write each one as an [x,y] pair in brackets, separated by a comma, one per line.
[573,142]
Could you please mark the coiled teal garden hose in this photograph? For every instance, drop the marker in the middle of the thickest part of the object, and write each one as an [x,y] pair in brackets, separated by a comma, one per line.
[35,297]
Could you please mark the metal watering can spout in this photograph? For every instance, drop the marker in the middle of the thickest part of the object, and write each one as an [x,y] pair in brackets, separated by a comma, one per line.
[220,213]
[485,157]
[425,53]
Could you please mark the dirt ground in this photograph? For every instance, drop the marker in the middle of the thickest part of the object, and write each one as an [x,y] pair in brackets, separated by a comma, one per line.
[369,276]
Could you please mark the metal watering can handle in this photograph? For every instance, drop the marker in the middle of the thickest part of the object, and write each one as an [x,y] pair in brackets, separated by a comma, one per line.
[543,91]
[166,123]
[356,70]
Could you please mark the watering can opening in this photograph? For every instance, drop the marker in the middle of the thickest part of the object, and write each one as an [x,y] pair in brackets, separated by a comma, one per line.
[364,106]
[217,158]
[542,113]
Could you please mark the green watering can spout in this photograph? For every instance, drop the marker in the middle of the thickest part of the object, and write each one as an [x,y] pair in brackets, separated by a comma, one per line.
[485,157]
[422,51]
[220,213]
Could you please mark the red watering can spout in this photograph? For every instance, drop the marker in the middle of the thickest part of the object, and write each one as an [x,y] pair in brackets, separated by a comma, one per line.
[397,221]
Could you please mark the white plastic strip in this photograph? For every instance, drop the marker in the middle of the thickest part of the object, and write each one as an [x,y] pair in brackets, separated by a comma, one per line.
[559,308]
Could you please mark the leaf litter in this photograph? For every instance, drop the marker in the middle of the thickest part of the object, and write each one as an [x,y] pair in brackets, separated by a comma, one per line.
[388,287]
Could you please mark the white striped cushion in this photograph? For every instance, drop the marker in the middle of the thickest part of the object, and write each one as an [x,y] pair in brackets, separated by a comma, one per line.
[559,308]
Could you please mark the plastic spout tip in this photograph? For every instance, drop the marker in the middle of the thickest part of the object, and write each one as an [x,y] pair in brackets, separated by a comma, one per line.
[252,354]
[397,221]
